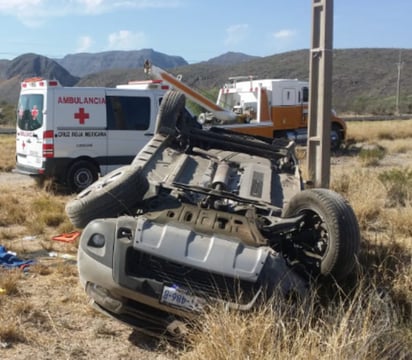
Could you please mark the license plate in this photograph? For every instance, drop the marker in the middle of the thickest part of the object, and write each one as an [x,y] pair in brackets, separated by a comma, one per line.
[181,298]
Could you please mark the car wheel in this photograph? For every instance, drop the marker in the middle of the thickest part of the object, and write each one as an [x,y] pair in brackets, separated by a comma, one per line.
[337,140]
[114,194]
[81,175]
[328,240]
[170,110]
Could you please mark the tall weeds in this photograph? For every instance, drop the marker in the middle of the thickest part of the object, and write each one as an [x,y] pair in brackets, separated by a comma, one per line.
[360,325]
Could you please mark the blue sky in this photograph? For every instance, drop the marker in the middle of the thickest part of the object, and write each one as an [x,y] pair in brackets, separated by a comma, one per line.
[197,30]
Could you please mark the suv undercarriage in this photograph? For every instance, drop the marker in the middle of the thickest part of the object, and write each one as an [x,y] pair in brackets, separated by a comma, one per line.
[203,216]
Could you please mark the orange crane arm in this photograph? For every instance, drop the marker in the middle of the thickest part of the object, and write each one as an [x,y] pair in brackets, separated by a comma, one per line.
[160,74]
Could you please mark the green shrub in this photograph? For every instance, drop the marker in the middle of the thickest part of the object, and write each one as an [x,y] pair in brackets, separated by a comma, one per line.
[371,155]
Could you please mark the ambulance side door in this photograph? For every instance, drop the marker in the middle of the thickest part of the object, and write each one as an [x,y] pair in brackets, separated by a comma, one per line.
[129,124]
[79,123]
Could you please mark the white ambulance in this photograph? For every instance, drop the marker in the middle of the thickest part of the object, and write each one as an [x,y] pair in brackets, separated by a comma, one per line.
[73,134]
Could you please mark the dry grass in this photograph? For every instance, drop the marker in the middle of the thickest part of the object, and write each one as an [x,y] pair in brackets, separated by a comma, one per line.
[367,131]
[398,146]
[47,316]
[8,152]
[369,320]
[35,212]
[365,193]
[399,221]
[8,281]
[360,326]
[44,312]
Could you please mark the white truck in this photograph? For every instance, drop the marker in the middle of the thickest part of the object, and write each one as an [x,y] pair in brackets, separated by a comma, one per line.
[73,134]
[265,107]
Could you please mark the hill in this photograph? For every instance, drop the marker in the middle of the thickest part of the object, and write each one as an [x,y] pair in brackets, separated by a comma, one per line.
[29,65]
[3,67]
[36,65]
[231,58]
[364,80]
[85,63]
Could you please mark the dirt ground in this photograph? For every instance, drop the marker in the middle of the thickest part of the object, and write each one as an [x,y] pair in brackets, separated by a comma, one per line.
[49,316]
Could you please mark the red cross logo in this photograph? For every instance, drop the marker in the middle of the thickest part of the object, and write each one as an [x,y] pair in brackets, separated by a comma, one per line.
[34,112]
[81,115]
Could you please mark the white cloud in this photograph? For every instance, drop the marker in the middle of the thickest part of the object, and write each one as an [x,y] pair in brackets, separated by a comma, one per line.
[84,44]
[281,40]
[28,12]
[16,5]
[126,40]
[92,6]
[284,34]
[235,34]
[31,12]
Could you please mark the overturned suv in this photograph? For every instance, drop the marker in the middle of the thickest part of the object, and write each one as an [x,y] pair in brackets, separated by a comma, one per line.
[203,216]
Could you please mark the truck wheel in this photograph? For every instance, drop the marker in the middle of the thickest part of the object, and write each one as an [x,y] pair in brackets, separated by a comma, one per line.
[328,240]
[170,110]
[112,195]
[337,141]
[81,175]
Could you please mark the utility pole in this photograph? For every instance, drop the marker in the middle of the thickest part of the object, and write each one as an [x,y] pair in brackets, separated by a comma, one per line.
[320,95]
[399,64]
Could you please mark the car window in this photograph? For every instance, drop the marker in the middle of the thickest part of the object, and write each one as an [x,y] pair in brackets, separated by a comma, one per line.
[30,112]
[305,92]
[128,113]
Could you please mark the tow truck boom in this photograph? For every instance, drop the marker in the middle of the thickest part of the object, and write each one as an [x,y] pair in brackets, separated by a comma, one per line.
[219,112]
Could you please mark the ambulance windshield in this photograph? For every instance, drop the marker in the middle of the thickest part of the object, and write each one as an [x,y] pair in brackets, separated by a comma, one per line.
[30,112]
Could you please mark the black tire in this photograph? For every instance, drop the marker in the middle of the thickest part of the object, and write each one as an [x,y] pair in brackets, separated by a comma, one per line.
[114,194]
[335,144]
[80,175]
[328,242]
[170,110]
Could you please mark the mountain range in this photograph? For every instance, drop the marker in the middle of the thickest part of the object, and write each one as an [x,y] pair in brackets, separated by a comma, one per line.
[86,63]
[364,80]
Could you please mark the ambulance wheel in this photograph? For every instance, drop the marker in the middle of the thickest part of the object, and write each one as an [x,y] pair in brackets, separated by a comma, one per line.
[328,239]
[81,175]
[112,195]
[170,110]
